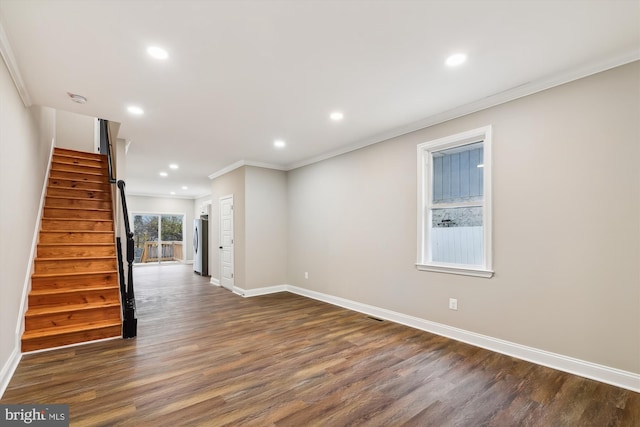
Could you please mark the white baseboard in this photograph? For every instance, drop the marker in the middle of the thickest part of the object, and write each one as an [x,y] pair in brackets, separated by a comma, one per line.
[214,281]
[261,291]
[8,369]
[594,371]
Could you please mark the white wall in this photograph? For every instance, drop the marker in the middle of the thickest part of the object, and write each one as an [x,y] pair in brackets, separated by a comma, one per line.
[232,183]
[260,226]
[75,131]
[566,225]
[160,205]
[265,227]
[26,138]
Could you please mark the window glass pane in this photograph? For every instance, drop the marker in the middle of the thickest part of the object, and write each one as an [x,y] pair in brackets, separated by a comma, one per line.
[145,230]
[457,235]
[458,174]
[171,228]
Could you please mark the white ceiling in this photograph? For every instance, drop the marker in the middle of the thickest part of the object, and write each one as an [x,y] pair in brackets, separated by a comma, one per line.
[243,73]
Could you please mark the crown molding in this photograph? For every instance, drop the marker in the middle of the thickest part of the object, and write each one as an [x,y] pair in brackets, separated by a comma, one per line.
[519,91]
[12,65]
[242,163]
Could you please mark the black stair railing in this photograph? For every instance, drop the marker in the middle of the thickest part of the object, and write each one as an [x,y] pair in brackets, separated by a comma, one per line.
[130,324]
[105,147]
[127,294]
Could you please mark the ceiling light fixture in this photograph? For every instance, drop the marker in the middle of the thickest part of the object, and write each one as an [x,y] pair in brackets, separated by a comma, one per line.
[184,187]
[173,193]
[336,116]
[77,98]
[173,166]
[163,174]
[278,143]
[157,52]
[135,110]
[456,59]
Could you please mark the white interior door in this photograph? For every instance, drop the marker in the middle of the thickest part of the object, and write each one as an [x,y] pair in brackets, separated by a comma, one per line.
[226,242]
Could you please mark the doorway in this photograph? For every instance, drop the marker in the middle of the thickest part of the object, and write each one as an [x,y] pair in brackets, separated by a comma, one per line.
[158,238]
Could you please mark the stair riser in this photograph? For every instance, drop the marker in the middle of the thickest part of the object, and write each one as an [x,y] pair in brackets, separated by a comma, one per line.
[70,338]
[62,213]
[60,174]
[80,282]
[64,251]
[72,265]
[76,225]
[76,237]
[77,317]
[70,183]
[53,202]
[78,154]
[96,163]
[100,170]
[73,193]
[88,296]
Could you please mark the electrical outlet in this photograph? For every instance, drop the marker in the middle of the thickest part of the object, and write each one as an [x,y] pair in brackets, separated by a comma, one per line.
[453,304]
[306,274]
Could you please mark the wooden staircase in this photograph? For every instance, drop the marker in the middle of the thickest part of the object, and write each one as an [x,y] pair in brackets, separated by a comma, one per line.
[74,295]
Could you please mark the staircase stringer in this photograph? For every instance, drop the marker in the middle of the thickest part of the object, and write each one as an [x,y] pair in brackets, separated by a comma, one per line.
[26,288]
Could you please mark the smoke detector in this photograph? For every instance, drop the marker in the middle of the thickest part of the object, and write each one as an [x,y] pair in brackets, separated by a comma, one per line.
[77,98]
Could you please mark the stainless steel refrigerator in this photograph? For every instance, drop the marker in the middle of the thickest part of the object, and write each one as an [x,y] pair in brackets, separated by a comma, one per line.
[201,245]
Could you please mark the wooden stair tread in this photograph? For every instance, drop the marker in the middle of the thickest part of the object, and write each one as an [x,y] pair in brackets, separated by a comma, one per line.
[78,231]
[94,178]
[75,153]
[51,309]
[76,198]
[68,160]
[55,291]
[99,172]
[75,219]
[76,258]
[99,178]
[71,180]
[68,329]
[72,244]
[72,274]
[76,189]
[76,209]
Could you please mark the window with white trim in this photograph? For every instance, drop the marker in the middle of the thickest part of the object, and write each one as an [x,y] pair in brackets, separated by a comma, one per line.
[454,204]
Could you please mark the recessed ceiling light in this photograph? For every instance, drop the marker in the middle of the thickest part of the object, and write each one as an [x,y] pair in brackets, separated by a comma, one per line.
[173,166]
[135,110]
[184,187]
[173,193]
[163,174]
[157,52]
[77,98]
[456,59]
[278,143]
[336,116]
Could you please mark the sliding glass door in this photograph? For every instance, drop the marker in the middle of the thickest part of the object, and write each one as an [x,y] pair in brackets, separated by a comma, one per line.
[158,238]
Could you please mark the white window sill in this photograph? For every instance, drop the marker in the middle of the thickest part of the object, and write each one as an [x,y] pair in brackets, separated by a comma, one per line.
[462,270]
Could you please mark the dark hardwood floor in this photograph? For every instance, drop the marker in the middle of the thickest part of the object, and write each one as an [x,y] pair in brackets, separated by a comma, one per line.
[204,356]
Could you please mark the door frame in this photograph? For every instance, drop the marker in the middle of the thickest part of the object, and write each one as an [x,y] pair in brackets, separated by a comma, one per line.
[230,283]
